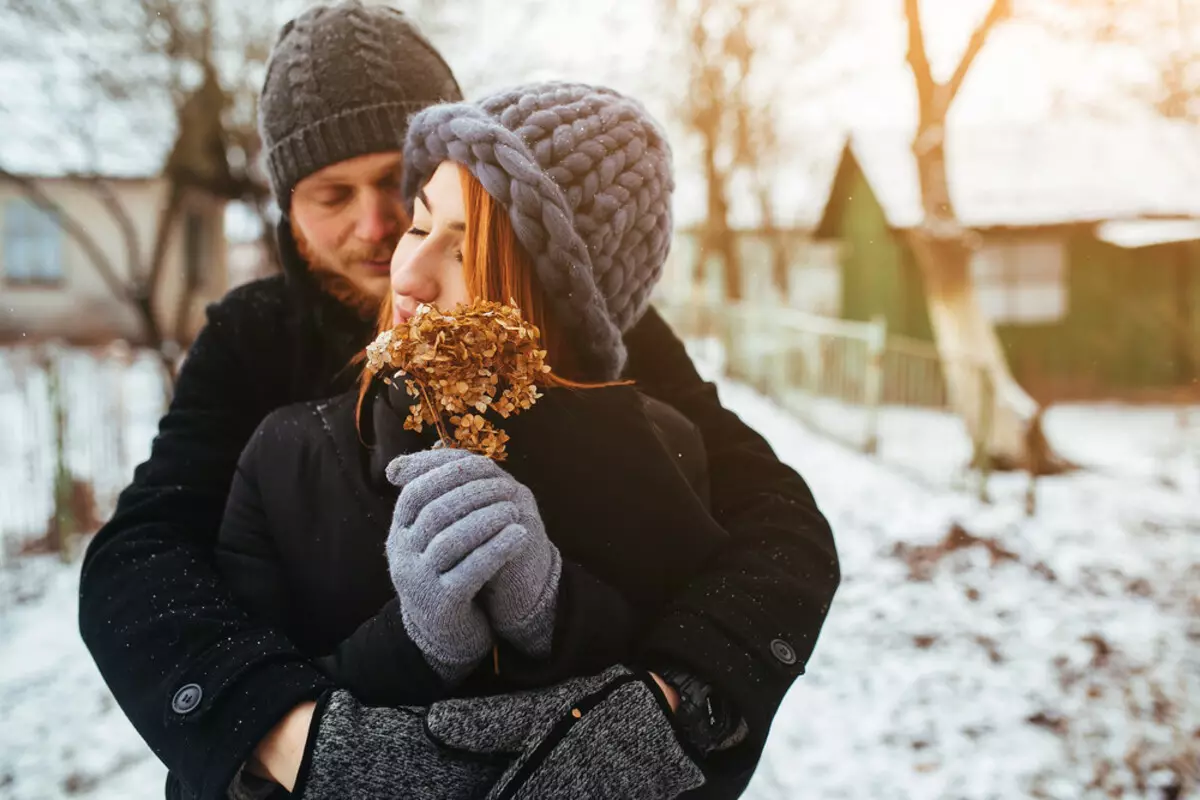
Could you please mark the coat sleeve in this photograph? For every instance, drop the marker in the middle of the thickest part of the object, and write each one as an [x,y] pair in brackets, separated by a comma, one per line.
[198,678]
[247,556]
[748,623]
[380,665]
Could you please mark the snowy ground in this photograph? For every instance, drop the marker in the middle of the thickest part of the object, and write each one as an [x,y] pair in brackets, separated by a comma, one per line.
[1034,667]
[1014,657]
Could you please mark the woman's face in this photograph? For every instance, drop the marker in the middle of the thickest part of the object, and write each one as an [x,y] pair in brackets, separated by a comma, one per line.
[427,265]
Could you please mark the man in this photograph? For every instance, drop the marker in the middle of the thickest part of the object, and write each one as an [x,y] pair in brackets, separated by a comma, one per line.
[212,690]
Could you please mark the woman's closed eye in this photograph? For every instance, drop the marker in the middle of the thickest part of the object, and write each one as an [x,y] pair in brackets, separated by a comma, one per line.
[415,231]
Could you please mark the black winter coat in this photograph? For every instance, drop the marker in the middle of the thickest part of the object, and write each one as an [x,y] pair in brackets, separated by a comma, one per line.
[616,476]
[203,682]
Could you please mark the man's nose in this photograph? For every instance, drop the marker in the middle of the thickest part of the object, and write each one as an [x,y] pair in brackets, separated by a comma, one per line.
[380,217]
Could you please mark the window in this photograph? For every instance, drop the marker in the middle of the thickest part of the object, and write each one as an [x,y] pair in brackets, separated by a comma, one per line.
[32,252]
[1021,281]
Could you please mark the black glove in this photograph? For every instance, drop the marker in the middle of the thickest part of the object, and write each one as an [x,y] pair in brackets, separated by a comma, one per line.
[708,721]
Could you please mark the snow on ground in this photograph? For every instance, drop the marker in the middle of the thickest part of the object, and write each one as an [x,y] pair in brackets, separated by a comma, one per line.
[62,733]
[1021,674]
[1149,443]
[971,652]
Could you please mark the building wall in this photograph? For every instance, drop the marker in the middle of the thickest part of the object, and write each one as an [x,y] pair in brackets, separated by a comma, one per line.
[82,308]
[1131,324]
[813,274]
[1132,320]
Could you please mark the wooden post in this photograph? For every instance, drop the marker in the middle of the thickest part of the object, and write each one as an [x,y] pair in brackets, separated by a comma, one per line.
[62,524]
[873,381]
[983,454]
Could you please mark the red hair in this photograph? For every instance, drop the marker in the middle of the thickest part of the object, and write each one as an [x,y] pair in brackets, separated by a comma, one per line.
[498,269]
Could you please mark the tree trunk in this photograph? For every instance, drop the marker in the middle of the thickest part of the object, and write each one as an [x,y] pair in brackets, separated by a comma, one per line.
[719,238]
[981,388]
[778,244]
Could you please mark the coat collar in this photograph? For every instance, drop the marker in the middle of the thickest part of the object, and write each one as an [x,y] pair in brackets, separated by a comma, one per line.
[383,415]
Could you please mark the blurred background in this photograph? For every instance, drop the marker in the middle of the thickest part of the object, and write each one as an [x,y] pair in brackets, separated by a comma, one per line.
[943,254]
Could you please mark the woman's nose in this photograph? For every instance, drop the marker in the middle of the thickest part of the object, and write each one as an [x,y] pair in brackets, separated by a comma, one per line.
[412,276]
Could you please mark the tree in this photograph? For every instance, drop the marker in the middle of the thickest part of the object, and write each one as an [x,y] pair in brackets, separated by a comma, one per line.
[203,62]
[737,56]
[998,413]
[1166,35]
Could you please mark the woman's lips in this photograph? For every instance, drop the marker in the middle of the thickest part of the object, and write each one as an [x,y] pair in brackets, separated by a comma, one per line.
[400,315]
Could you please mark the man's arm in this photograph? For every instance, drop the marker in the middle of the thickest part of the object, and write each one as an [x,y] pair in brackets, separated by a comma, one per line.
[749,624]
[200,681]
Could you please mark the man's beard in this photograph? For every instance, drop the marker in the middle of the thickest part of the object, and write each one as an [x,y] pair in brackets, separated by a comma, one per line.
[336,283]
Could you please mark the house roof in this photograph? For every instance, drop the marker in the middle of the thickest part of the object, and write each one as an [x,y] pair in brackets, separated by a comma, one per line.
[1056,173]
[58,123]
[1132,234]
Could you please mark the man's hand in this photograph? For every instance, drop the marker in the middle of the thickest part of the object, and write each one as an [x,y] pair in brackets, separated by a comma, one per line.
[668,690]
[279,754]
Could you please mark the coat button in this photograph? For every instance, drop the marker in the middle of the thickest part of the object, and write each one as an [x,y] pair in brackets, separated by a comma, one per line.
[783,651]
[186,699]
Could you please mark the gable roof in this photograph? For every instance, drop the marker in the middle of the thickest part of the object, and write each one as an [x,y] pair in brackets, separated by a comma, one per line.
[1055,173]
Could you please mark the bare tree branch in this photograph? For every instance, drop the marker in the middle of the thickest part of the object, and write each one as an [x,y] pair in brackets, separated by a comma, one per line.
[1000,10]
[73,228]
[166,226]
[104,190]
[918,58]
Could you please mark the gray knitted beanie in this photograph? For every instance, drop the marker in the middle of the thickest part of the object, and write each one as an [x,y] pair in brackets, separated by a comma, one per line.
[341,83]
[585,174]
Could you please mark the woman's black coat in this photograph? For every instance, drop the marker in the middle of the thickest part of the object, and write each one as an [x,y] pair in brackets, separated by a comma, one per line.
[619,481]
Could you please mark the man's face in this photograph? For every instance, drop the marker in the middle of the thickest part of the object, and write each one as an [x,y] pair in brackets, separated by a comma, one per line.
[348,219]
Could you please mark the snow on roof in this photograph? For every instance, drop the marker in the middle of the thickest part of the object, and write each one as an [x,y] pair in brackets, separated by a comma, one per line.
[57,122]
[1147,233]
[1053,173]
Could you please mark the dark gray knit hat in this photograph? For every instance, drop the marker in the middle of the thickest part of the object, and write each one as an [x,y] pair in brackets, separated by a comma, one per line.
[342,82]
[585,174]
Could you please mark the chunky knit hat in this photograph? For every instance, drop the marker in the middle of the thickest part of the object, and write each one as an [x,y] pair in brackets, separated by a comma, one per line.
[341,83]
[585,174]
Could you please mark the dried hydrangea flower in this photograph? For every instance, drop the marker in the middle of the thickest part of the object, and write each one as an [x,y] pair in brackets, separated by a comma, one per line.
[458,366]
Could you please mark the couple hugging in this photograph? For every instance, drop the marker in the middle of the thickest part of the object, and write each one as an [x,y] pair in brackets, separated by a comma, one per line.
[303,591]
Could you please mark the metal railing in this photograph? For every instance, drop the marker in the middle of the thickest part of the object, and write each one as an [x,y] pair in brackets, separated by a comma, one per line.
[837,376]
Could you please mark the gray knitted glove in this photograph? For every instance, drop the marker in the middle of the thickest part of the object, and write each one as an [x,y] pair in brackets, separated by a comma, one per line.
[604,736]
[355,752]
[454,527]
[522,598]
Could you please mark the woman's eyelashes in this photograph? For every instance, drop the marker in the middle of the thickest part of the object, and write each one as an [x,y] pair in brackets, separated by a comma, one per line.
[415,231]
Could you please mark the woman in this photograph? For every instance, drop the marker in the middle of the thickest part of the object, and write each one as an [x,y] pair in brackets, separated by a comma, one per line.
[501,578]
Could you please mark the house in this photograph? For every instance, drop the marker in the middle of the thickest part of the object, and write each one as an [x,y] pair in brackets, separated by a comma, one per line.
[784,246]
[89,159]
[1086,243]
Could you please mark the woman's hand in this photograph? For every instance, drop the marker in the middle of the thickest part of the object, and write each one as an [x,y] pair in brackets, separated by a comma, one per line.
[522,598]
[455,525]
[278,756]
[488,521]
